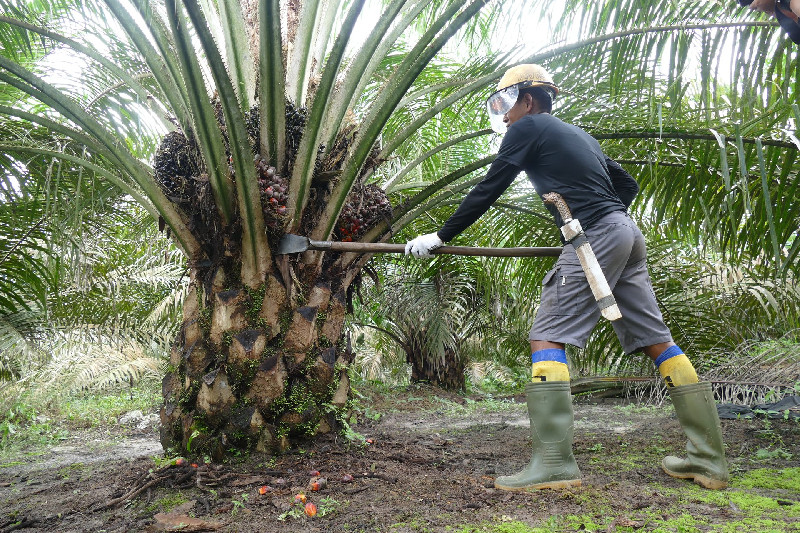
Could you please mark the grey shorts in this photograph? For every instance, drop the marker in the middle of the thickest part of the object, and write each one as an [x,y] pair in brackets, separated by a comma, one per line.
[568,312]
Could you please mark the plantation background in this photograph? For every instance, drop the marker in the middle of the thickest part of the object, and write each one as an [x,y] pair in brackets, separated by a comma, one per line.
[160,364]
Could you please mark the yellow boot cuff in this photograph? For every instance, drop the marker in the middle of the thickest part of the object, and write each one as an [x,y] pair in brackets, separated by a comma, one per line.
[549,371]
[677,371]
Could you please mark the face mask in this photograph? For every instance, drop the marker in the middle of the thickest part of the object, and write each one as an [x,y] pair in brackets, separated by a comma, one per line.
[499,104]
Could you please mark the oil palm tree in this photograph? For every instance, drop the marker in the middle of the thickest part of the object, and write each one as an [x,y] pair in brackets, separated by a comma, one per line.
[271,128]
[434,314]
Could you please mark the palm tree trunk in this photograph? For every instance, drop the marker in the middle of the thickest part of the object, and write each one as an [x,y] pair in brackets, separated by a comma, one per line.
[444,370]
[254,369]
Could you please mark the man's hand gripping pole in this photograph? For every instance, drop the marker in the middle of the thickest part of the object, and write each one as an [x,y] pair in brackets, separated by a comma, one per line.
[573,234]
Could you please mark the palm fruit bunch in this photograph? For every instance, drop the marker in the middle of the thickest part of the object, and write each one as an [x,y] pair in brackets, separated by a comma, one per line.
[274,192]
[296,118]
[364,208]
[175,168]
[252,123]
[295,124]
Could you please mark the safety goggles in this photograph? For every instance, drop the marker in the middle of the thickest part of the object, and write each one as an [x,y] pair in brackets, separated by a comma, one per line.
[500,103]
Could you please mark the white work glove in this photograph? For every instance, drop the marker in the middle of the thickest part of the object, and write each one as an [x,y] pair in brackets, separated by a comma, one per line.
[423,245]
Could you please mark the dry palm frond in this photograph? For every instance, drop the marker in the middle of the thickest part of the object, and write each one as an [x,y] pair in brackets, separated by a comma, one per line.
[92,358]
[481,371]
[95,357]
[18,353]
[757,372]
[378,358]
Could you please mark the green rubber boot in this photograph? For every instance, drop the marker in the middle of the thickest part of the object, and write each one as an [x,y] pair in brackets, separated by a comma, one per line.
[705,462]
[552,465]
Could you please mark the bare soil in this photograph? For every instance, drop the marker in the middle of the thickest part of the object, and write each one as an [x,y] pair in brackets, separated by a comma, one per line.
[429,466]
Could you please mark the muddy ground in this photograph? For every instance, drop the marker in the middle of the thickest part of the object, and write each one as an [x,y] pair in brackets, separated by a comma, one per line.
[428,467]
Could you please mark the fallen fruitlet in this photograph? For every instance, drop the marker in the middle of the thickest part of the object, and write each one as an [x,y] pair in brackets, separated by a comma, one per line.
[180,461]
[264,489]
[318,483]
[311,509]
[314,473]
[300,498]
[347,478]
[194,465]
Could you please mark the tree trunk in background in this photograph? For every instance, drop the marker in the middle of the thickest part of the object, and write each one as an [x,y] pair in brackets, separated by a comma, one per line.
[445,370]
[254,369]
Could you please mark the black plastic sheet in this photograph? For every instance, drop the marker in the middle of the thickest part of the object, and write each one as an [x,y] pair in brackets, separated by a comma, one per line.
[788,407]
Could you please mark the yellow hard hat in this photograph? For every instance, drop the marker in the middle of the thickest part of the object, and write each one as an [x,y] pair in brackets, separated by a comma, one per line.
[530,75]
[515,79]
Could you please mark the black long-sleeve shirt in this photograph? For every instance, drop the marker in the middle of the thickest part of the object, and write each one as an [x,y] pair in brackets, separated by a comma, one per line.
[557,157]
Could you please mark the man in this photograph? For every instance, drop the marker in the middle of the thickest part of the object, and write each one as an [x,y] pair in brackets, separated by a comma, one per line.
[787,13]
[562,158]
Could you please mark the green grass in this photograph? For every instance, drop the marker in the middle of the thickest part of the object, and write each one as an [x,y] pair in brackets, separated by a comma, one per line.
[624,457]
[503,527]
[33,426]
[770,478]
[470,406]
[759,500]
[167,502]
[96,409]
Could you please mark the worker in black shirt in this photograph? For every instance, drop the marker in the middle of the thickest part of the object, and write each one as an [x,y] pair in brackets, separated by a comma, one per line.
[564,159]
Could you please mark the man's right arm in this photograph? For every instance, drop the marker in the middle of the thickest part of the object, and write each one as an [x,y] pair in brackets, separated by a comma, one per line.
[500,176]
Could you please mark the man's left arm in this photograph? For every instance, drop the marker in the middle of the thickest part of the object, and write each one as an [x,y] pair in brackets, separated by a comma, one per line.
[623,183]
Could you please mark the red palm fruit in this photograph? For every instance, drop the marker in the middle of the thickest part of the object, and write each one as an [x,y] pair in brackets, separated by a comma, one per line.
[318,483]
[311,510]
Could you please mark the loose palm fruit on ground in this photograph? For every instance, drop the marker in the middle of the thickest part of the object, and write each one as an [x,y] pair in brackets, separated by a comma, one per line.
[318,483]
[300,498]
[311,509]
